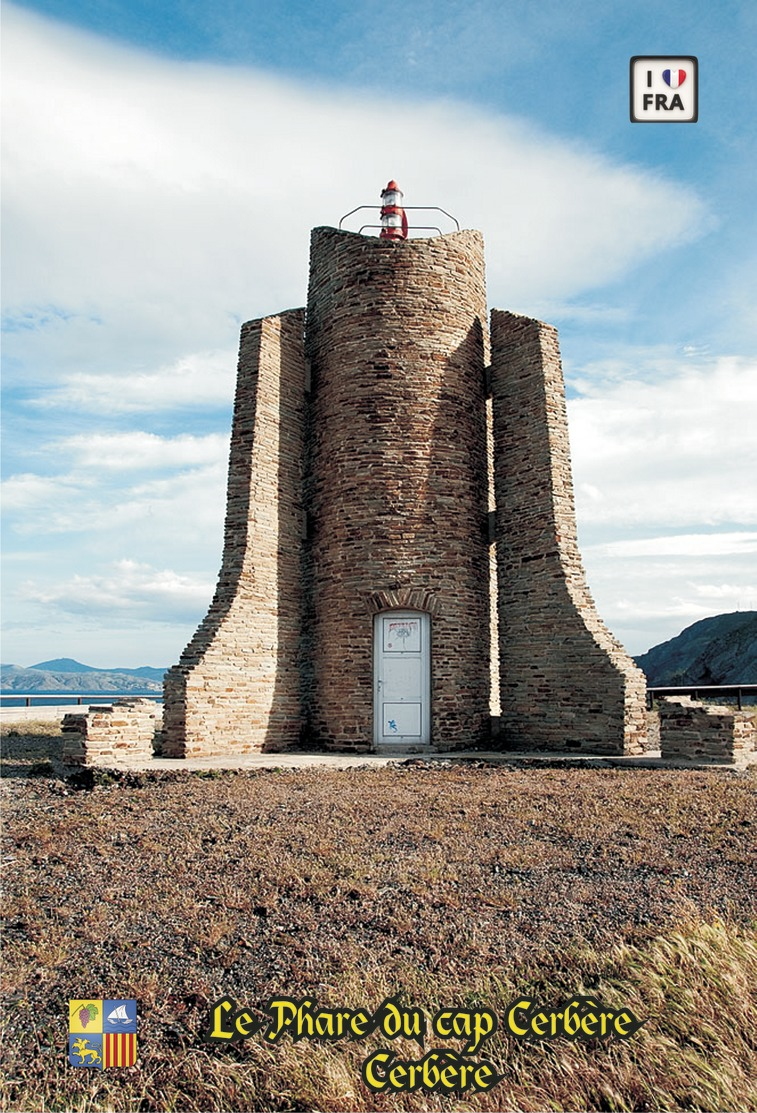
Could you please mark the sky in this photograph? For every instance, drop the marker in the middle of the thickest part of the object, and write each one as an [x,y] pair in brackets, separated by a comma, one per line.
[163,164]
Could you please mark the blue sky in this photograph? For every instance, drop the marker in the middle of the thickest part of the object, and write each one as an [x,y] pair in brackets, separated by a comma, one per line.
[162,167]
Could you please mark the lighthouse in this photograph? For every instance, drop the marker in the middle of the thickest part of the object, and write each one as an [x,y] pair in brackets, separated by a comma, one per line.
[394,225]
[400,526]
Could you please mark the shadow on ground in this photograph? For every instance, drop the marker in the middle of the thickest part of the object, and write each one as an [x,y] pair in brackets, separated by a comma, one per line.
[34,751]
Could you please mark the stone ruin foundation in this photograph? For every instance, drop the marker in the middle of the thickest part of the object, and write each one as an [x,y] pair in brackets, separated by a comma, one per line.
[111,735]
[695,731]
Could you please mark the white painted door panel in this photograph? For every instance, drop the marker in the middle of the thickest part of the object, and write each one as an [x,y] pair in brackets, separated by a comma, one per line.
[402,678]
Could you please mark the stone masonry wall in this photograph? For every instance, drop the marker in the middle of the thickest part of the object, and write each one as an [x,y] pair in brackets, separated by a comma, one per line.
[112,735]
[397,491]
[236,688]
[358,482]
[705,732]
[565,682]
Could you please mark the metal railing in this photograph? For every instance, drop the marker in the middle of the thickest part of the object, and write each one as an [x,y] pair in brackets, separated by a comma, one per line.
[697,690]
[73,699]
[77,699]
[408,209]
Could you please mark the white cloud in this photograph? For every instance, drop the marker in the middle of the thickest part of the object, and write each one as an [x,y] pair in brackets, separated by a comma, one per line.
[673,451]
[29,493]
[181,510]
[128,589]
[151,205]
[684,544]
[650,591]
[137,450]
[663,465]
[197,379]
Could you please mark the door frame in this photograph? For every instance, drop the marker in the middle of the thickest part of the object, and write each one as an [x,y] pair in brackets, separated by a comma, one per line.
[424,740]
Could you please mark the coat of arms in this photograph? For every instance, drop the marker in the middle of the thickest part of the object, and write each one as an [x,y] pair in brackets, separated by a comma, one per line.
[102,1033]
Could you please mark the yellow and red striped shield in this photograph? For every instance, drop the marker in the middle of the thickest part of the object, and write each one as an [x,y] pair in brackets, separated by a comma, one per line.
[119,1049]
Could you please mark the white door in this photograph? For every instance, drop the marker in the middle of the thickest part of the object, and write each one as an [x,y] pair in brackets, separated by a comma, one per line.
[402,678]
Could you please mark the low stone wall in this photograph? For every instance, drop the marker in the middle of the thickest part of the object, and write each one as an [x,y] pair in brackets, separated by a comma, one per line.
[113,734]
[705,732]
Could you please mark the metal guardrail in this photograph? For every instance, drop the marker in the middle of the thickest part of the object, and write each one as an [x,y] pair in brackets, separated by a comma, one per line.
[77,699]
[408,209]
[415,228]
[696,690]
[74,699]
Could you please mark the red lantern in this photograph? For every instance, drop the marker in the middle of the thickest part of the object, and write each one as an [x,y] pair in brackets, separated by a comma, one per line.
[393,216]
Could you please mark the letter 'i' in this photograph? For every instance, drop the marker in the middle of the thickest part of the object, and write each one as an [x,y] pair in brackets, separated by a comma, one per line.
[649,79]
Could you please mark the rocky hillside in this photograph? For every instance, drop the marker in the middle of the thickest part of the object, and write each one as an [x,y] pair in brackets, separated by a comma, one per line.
[718,650]
[66,675]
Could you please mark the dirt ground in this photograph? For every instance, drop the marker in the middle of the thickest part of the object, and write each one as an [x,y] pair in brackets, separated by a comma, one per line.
[176,889]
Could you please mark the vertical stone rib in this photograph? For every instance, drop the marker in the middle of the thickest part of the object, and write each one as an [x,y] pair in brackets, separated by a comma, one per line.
[565,681]
[236,688]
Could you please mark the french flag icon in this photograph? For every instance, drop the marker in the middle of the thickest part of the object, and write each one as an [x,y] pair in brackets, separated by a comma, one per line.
[674,78]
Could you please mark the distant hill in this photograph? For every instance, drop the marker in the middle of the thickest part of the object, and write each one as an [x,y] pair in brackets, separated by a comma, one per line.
[65,664]
[66,675]
[718,650]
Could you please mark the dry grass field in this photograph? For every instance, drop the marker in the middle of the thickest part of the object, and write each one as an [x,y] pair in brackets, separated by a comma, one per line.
[467,887]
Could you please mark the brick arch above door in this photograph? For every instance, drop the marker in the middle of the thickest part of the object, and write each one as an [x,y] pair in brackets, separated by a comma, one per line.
[404,598]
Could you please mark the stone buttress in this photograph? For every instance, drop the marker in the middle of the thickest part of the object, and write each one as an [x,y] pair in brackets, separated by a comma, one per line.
[565,681]
[236,688]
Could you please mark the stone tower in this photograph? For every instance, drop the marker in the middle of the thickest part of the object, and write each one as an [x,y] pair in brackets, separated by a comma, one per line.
[355,605]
